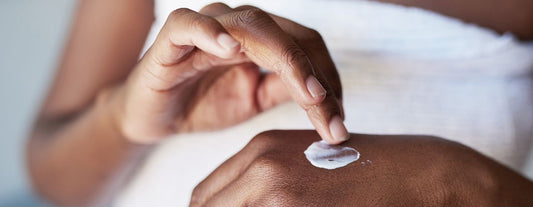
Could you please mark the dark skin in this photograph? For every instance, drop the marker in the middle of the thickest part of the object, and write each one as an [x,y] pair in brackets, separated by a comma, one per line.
[405,170]
[80,146]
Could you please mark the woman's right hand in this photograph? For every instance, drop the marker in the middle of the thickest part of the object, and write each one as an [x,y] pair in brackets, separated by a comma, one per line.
[202,73]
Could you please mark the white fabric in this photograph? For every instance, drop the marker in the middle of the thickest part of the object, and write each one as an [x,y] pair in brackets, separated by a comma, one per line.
[404,71]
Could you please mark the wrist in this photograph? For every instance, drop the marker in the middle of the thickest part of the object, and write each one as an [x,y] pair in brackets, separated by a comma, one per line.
[132,122]
[110,103]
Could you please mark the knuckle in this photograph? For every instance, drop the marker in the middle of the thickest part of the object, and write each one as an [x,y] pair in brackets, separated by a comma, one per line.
[312,39]
[203,23]
[156,78]
[264,139]
[293,55]
[252,17]
[313,35]
[268,168]
[179,13]
[193,20]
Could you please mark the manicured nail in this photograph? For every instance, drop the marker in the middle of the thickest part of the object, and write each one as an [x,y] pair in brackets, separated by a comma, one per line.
[314,87]
[227,41]
[337,129]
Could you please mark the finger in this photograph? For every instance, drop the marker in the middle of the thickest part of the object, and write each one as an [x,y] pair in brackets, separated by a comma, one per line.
[313,44]
[235,194]
[152,88]
[330,110]
[271,92]
[228,172]
[311,41]
[185,27]
[166,77]
[265,43]
[316,48]
[225,174]
[184,31]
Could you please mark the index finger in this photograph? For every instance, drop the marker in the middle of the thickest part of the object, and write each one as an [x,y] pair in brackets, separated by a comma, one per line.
[265,43]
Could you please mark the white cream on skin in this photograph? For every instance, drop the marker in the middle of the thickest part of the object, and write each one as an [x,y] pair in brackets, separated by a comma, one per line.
[323,155]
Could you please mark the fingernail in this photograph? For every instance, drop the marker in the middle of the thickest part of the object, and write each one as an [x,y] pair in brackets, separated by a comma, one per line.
[227,41]
[314,87]
[337,129]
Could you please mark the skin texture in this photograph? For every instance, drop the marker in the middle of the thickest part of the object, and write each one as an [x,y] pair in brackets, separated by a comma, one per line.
[169,83]
[405,170]
[188,81]
[85,142]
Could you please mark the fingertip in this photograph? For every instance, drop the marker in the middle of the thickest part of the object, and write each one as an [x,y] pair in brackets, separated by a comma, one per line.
[333,132]
[332,142]
[227,42]
[228,46]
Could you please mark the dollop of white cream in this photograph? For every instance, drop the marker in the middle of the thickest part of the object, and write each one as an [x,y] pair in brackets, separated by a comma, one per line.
[323,155]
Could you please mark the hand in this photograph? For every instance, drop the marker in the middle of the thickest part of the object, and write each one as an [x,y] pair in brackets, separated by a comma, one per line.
[202,74]
[403,171]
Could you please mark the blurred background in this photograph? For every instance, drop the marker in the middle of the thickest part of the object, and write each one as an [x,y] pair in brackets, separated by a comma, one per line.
[31,38]
[32,35]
